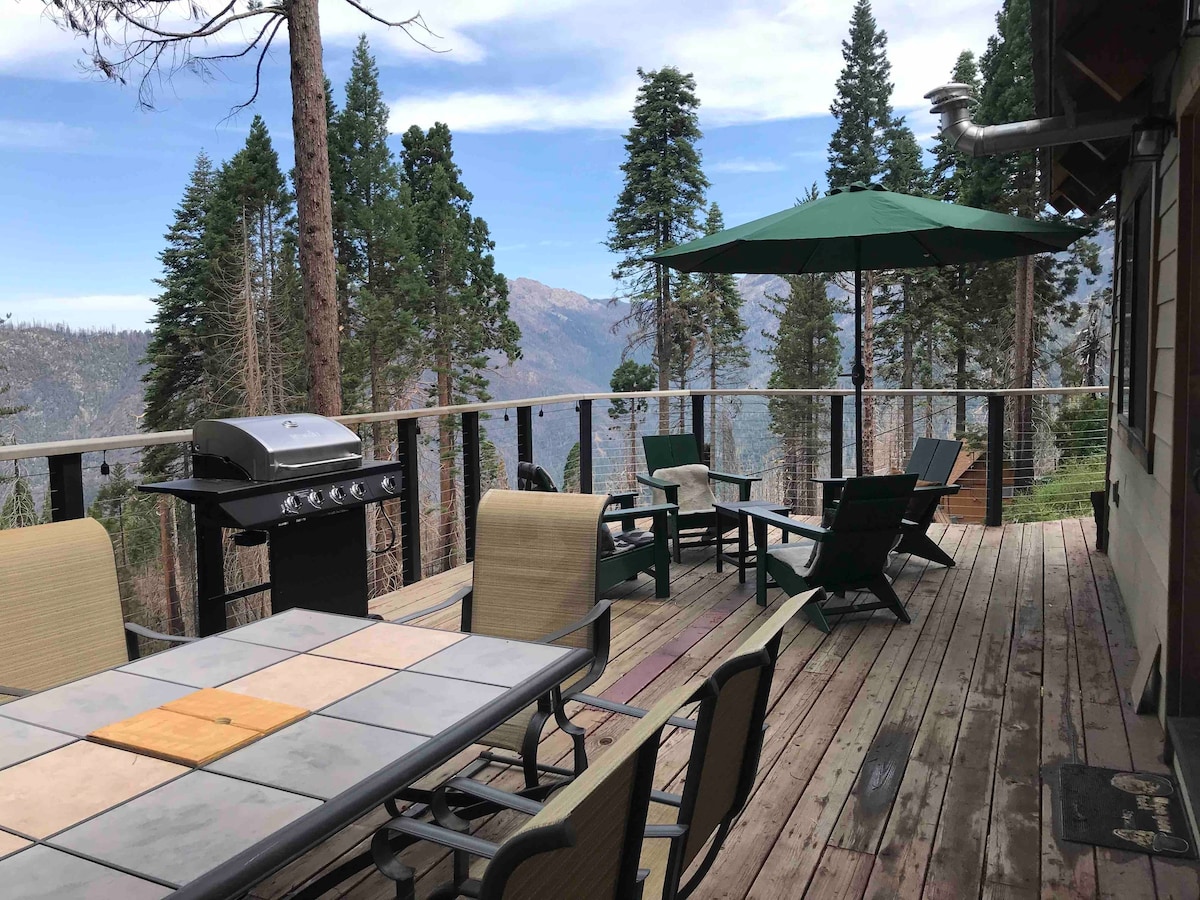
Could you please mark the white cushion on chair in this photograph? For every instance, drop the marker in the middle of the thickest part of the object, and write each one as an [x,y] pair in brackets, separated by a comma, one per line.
[695,491]
[797,556]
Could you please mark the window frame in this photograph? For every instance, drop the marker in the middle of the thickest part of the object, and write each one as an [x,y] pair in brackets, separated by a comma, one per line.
[1133,316]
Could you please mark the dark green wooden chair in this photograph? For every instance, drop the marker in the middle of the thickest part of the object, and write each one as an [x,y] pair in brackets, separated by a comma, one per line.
[851,550]
[627,553]
[932,461]
[668,458]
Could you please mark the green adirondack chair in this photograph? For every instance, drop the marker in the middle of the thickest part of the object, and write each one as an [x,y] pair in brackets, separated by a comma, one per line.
[851,551]
[629,552]
[670,452]
[932,461]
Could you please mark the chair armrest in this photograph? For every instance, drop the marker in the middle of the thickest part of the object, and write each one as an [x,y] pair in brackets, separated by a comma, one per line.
[427,831]
[133,631]
[623,499]
[815,532]
[651,481]
[145,632]
[602,610]
[625,709]
[6,691]
[639,512]
[733,479]
[473,788]
[940,490]
[457,597]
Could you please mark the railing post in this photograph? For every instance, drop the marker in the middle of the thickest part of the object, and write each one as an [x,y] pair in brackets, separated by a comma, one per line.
[836,436]
[525,434]
[66,487]
[995,460]
[698,424]
[410,501]
[585,446]
[471,478]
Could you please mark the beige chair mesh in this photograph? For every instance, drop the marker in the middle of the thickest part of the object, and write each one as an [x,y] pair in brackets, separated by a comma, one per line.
[60,608]
[536,557]
[535,563]
[597,805]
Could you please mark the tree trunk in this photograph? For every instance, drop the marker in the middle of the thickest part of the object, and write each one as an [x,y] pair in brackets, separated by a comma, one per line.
[448,489]
[318,269]
[906,382]
[1023,353]
[166,540]
[252,375]
[868,418]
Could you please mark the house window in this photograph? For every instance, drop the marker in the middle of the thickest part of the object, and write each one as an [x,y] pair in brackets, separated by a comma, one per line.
[1133,313]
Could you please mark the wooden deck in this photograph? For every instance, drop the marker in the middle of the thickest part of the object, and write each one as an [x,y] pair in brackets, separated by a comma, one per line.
[900,760]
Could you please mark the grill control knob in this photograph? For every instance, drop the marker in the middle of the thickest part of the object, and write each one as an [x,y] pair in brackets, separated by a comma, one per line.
[316,497]
[291,504]
[337,494]
[388,483]
[358,489]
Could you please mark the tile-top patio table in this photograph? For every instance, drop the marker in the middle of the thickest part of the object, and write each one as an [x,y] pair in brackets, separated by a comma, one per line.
[388,704]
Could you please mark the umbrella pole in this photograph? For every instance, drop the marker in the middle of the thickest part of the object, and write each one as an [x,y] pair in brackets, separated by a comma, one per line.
[858,374]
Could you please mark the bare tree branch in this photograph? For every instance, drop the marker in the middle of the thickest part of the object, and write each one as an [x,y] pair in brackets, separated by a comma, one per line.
[258,69]
[405,25]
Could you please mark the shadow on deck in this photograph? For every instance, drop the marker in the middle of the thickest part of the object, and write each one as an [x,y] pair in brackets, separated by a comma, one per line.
[900,760]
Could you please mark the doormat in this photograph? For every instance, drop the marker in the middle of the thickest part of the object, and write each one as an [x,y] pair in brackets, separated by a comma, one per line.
[1135,811]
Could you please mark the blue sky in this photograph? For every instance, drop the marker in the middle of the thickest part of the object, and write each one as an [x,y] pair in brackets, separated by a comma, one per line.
[537,93]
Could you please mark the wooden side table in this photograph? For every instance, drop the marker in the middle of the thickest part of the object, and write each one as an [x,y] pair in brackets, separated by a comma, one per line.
[734,513]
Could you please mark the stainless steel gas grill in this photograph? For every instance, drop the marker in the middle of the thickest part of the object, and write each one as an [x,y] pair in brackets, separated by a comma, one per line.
[299,483]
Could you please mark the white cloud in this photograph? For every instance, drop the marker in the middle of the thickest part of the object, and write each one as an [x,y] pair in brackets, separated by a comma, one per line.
[33,135]
[81,311]
[758,61]
[537,65]
[741,166]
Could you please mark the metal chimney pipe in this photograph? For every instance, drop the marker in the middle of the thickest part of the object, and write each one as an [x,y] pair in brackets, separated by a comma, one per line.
[951,102]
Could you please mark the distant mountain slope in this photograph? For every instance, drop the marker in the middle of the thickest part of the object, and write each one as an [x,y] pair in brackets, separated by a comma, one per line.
[76,384]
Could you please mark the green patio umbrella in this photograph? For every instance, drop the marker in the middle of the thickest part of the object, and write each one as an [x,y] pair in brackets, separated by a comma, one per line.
[864,226]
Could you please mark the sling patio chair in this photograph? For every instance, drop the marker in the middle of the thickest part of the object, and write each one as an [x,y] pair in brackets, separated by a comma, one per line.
[628,552]
[851,551]
[535,579]
[678,476]
[584,843]
[60,607]
[932,461]
[721,769]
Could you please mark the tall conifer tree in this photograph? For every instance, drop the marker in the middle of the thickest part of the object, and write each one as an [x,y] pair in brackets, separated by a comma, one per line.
[857,152]
[657,208]
[466,313]
[805,353]
[175,395]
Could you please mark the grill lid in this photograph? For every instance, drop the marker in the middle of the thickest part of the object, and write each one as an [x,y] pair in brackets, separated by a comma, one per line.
[271,448]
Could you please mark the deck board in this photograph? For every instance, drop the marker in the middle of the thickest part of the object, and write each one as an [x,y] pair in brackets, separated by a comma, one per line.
[900,760]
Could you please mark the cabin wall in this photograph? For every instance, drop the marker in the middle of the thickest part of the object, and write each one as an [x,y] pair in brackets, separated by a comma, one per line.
[1139,511]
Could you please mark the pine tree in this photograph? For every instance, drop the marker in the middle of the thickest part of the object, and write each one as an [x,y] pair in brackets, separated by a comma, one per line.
[375,244]
[905,358]
[806,353]
[174,392]
[256,305]
[20,509]
[857,152]
[722,328]
[662,194]
[571,470]
[628,377]
[964,304]
[466,300]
